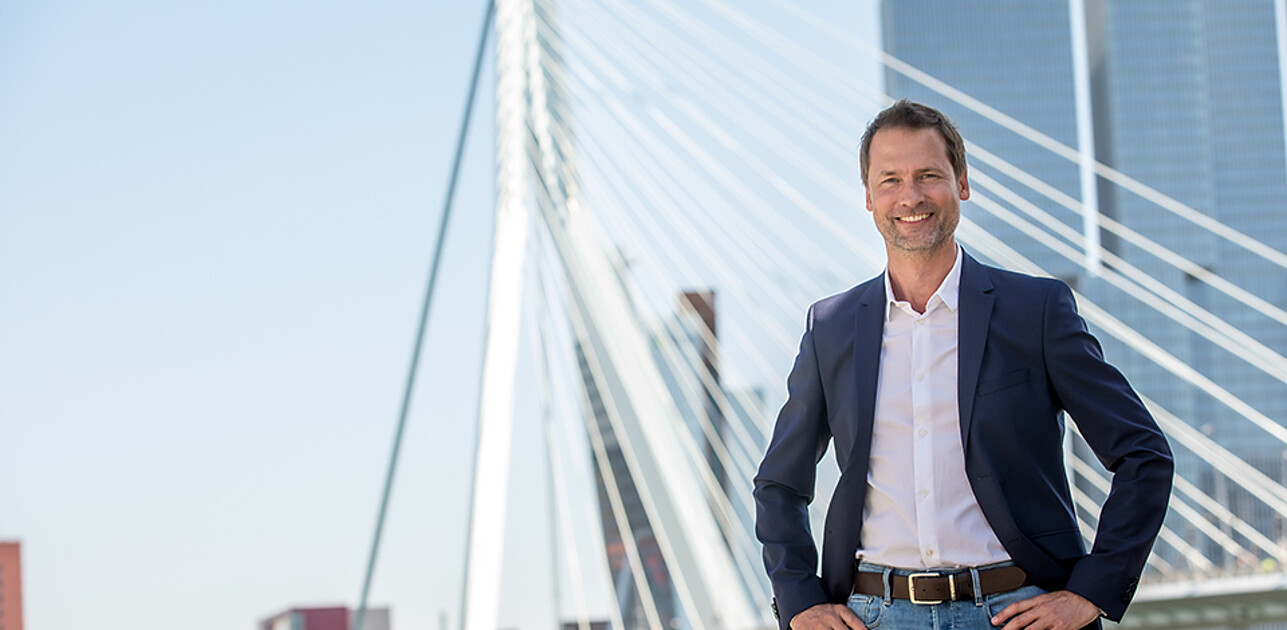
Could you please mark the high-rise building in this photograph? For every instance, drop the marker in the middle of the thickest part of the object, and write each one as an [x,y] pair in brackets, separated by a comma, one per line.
[1186,98]
[1014,55]
[1190,103]
[10,586]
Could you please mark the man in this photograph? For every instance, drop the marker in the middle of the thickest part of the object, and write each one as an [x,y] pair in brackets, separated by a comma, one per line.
[943,384]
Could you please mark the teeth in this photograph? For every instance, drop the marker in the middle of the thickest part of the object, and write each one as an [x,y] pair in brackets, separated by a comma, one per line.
[914,218]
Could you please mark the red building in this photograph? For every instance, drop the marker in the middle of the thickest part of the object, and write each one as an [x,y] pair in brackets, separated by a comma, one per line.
[10,586]
[331,618]
[324,618]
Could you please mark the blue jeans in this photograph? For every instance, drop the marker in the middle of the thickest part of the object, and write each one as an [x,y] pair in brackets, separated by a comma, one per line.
[900,614]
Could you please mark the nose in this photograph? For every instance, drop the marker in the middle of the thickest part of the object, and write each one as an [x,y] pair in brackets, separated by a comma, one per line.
[910,194]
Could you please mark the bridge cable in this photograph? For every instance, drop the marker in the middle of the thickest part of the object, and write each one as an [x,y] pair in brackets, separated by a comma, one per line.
[612,408]
[1170,257]
[676,258]
[1133,339]
[1165,254]
[1054,146]
[1229,338]
[669,351]
[1183,311]
[424,318]
[1269,359]
[539,330]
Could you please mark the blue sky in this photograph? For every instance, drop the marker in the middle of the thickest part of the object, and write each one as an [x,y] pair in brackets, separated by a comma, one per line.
[216,221]
[215,225]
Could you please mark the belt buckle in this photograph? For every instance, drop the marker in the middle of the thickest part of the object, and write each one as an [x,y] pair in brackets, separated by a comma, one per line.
[911,588]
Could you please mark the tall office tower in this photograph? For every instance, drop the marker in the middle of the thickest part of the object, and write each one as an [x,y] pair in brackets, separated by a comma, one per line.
[1186,98]
[1190,103]
[10,586]
[1015,56]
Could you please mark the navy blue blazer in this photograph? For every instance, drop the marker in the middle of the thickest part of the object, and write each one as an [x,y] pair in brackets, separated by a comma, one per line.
[1025,357]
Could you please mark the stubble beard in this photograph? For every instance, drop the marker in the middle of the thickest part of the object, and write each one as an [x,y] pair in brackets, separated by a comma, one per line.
[922,245]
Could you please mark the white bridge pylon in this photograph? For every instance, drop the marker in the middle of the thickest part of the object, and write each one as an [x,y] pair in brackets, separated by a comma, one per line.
[504,312]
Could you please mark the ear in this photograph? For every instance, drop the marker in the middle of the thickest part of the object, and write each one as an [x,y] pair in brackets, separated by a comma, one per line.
[867,192]
[963,187]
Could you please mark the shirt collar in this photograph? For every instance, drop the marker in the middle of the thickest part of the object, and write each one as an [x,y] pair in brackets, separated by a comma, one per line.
[949,292]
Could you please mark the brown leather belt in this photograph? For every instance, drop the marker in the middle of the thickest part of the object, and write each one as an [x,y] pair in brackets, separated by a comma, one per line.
[935,588]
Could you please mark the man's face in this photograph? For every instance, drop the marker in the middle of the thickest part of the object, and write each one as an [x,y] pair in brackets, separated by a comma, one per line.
[912,192]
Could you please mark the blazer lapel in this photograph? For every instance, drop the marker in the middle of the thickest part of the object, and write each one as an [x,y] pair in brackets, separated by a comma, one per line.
[975,314]
[869,330]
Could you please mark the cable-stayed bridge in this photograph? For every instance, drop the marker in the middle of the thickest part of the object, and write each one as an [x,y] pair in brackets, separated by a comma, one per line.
[678,181]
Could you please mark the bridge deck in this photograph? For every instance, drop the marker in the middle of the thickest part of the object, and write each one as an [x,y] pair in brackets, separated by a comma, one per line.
[1234,602]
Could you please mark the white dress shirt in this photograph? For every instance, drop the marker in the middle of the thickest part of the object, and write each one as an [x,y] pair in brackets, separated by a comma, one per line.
[920,511]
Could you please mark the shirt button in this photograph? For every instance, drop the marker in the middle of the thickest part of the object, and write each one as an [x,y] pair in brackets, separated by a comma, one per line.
[920,377]
[929,552]
[923,433]
[920,321]
[924,493]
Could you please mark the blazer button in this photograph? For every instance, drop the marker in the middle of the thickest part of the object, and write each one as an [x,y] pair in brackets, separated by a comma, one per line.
[1130,590]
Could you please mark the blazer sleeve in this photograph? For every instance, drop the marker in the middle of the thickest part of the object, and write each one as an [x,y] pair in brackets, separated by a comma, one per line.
[784,488]
[1123,435]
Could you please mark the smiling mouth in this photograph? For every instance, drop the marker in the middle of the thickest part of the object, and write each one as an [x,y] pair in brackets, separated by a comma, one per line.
[916,218]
